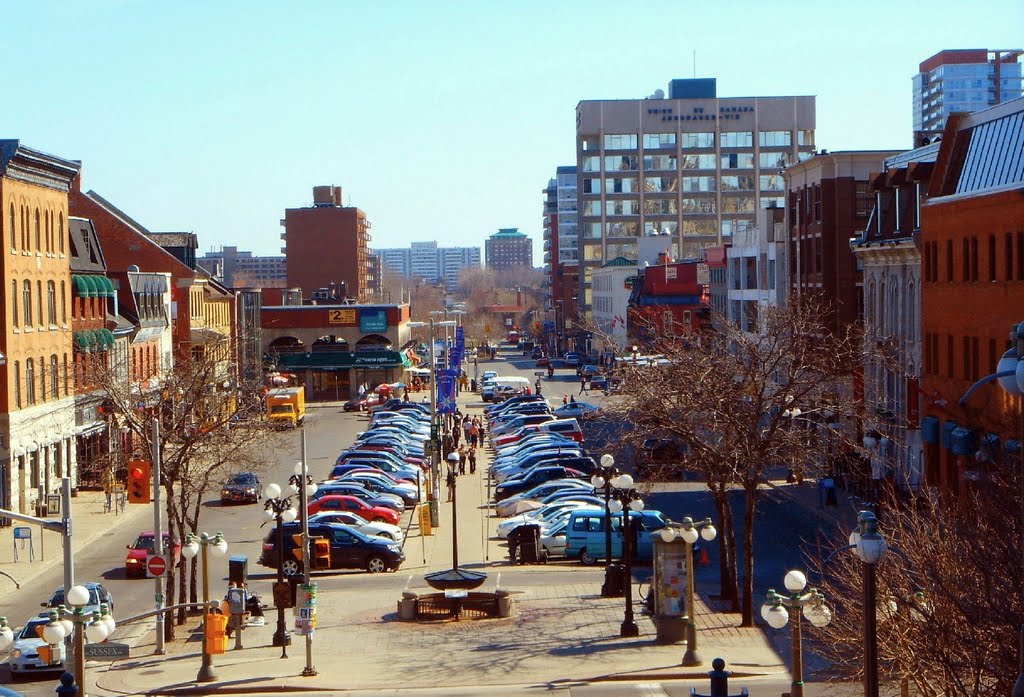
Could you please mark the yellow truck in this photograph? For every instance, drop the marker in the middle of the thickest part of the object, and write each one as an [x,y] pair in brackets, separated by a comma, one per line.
[286,406]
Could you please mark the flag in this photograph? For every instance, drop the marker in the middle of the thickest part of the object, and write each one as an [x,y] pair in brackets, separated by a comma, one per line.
[446,391]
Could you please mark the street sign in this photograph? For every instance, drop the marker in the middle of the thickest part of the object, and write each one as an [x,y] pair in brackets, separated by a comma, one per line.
[108,650]
[155,566]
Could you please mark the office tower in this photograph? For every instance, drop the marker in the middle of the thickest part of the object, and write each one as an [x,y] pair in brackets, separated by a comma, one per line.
[428,261]
[508,248]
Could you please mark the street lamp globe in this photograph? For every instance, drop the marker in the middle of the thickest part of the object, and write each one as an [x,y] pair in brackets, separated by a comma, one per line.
[871,548]
[689,535]
[623,481]
[219,546]
[615,506]
[272,491]
[708,532]
[96,631]
[62,612]
[667,534]
[636,505]
[289,514]
[107,619]
[597,481]
[607,461]
[269,512]
[775,615]
[53,633]
[190,548]
[818,615]
[795,581]
[78,596]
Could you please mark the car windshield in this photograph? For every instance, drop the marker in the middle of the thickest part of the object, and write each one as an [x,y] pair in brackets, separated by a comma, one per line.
[94,598]
[29,631]
[146,542]
[243,480]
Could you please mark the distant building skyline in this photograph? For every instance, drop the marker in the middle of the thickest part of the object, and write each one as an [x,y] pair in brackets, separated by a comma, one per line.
[243,269]
[428,261]
[508,248]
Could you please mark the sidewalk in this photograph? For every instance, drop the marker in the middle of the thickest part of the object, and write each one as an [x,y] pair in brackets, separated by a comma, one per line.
[563,630]
[89,522]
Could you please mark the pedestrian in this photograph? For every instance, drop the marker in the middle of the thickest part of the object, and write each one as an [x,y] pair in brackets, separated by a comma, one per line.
[462,459]
[405,396]
[565,399]
[467,429]
[456,435]
[537,385]
[472,459]
[572,399]
[450,481]
[482,423]
[583,385]
[446,443]
[474,431]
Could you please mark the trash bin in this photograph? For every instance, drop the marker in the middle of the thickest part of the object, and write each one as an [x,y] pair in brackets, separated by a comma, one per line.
[614,581]
[472,385]
[524,545]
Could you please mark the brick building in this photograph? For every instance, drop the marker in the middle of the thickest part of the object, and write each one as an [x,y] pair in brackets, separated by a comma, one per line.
[508,248]
[327,248]
[973,282]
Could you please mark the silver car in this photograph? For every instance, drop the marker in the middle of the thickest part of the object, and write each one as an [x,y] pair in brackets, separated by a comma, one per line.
[23,657]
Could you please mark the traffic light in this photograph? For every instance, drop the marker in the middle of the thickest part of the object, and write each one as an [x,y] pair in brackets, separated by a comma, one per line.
[140,481]
[321,553]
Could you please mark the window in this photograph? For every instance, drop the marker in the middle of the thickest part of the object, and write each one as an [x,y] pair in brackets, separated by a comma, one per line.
[26,296]
[60,232]
[965,262]
[51,292]
[67,376]
[14,303]
[42,380]
[39,239]
[17,384]
[63,303]
[591,163]
[39,294]
[699,140]
[591,186]
[949,260]
[620,141]
[774,138]
[30,382]
[621,163]
[773,160]
[991,257]
[949,355]
[54,376]
[1008,256]
[659,140]
[974,258]
[13,224]
[736,139]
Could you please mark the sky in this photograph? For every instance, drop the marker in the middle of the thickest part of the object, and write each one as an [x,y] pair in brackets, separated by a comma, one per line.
[442,120]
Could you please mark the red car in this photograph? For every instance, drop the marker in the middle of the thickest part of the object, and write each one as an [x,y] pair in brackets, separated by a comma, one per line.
[337,502]
[135,560]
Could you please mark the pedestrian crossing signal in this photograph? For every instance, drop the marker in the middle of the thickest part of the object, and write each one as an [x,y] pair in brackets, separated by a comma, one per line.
[140,481]
[321,553]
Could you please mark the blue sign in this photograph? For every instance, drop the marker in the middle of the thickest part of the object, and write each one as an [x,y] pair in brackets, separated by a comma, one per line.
[23,533]
[446,390]
[373,321]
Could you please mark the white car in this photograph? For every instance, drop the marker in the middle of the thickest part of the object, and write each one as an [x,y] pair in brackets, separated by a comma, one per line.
[548,515]
[576,410]
[553,539]
[23,657]
[386,530]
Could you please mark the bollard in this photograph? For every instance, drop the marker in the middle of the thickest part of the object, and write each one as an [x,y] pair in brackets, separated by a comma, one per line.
[506,603]
[407,606]
[67,686]
[719,678]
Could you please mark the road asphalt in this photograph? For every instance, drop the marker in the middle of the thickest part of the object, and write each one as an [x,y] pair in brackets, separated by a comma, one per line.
[563,636]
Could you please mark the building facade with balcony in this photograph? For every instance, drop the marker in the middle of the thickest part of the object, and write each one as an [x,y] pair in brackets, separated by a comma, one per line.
[756,272]
[241,269]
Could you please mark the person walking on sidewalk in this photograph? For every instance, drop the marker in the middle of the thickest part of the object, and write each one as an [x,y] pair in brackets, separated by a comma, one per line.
[536,386]
[583,385]
[474,431]
[462,459]
[472,459]
[467,430]
[565,399]
[450,481]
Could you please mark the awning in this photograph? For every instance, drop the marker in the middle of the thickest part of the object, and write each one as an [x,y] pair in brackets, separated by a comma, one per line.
[105,338]
[84,340]
[104,286]
[84,286]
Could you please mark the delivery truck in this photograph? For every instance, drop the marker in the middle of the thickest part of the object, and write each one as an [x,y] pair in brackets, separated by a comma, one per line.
[286,406]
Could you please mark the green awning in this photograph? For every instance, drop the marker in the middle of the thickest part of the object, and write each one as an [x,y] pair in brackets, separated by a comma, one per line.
[83,286]
[104,286]
[84,340]
[104,339]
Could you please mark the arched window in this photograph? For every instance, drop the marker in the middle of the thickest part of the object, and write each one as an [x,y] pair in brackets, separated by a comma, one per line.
[24,229]
[51,294]
[67,376]
[54,376]
[63,303]
[17,384]
[60,232]
[42,379]
[49,231]
[39,292]
[39,236]
[26,297]
[30,382]
[14,303]
[14,228]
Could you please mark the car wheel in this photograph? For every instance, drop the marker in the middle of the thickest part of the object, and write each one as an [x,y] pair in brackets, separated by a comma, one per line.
[291,567]
[376,565]
[378,519]
[388,535]
[587,558]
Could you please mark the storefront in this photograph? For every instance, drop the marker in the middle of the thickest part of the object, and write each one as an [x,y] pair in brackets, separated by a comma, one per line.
[337,375]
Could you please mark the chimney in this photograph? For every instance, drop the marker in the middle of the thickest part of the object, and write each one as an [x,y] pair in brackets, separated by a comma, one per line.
[519,297]
[336,195]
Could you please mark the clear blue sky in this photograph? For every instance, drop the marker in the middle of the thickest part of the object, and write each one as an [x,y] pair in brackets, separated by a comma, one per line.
[443,120]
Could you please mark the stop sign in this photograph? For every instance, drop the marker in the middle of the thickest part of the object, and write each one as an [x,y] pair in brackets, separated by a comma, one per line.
[156,565]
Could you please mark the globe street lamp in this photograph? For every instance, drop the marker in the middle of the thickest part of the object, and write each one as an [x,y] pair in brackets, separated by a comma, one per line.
[190,549]
[283,511]
[781,609]
[627,501]
[690,532]
[612,586]
[870,546]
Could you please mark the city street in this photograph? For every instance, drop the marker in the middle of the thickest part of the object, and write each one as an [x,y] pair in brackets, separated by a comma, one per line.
[356,600]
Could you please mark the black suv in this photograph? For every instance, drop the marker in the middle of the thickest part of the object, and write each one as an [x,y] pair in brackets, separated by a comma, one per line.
[656,452]
[350,549]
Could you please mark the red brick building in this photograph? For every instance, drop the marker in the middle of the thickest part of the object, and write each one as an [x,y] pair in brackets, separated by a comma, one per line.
[666,301]
[327,248]
[127,243]
[973,281]
[829,203]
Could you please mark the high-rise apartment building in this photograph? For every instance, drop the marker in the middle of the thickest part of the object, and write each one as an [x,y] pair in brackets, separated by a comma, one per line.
[428,261]
[327,247]
[963,80]
[695,166]
[508,248]
[561,239]
[240,269]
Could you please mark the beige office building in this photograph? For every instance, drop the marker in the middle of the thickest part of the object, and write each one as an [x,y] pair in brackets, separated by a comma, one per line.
[693,165]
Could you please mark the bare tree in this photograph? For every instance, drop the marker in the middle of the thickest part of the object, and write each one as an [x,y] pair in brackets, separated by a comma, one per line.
[746,406]
[209,427]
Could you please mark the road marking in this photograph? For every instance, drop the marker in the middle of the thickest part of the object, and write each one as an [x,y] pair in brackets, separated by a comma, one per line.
[651,689]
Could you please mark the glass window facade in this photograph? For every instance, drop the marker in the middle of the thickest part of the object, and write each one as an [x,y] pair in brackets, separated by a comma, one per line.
[624,185]
[654,141]
[620,141]
[775,160]
[698,162]
[660,163]
[771,138]
[699,205]
[591,163]
[625,228]
[656,184]
[662,206]
[699,183]
[622,207]
[738,160]
[698,140]
[736,139]
[737,182]
[621,163]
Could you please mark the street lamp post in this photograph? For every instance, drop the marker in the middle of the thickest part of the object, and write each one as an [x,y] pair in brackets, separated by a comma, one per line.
[870,546]
[76,623]
[690,532]
[612,586]
[780,610]
[627,501]
[280,509]
[190,549]
[302,484]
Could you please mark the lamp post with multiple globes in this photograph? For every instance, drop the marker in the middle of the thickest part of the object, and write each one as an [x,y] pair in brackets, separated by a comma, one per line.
[189,550]
[780,610]
[280,509]
[607,479]
[627,501]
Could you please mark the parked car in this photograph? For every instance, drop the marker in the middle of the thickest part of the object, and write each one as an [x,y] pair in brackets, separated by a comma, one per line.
[576,410]
[572,359]
[381,483]
[599,382]
[539,492]
[361,403]
[243,487]
[335,502]
[553,538]
[660,452]
[587,371]
[98,595]
[585,539]
[537,352]
[350,549]
[346,487]
[543,362]
[139,551]
[23,656]
[387,530]
[532,478]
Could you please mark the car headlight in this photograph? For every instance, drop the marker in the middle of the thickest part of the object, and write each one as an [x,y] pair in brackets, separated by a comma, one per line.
[224,492]
[394,548]
[134,561]
[250,491]
[15,653]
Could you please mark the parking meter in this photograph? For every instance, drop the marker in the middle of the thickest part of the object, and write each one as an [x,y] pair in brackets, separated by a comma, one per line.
[237,598]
